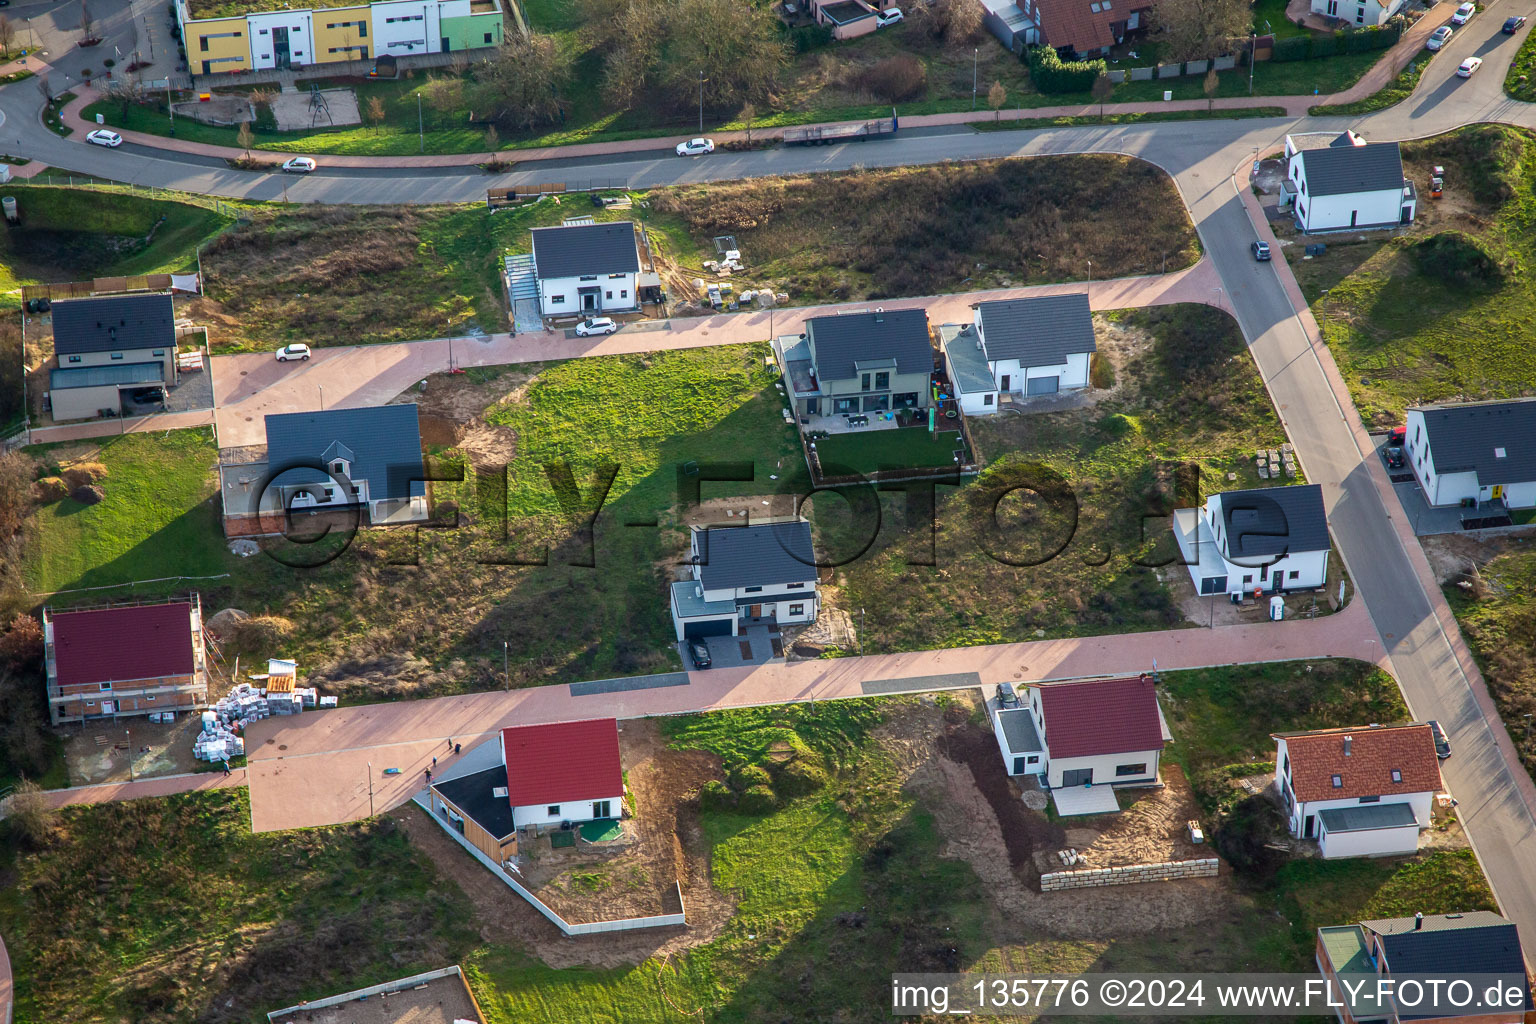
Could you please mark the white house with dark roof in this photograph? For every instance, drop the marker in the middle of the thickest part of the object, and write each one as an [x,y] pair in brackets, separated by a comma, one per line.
[587,269]
[1272,539]
[1346,182]
[1474,451]
[107,345]
[742,574]
[869,361]
[1020,348]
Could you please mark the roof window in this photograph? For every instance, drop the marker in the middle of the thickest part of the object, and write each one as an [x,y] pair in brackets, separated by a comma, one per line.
[1338,782]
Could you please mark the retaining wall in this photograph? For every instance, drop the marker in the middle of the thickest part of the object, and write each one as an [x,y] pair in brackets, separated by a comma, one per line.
[1129,874]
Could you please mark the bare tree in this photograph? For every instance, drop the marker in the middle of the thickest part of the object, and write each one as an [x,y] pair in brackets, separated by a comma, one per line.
[520,87]
[996,97]
[374,111]
[729,51]
[243,138]
[1199,29]
[443,94]
[1102,89]
[492,140]
[7,34]
[1210,85]
[32,814]
[748,115]
[86,21]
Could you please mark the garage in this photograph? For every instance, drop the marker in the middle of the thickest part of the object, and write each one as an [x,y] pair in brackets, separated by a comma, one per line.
[708,627]
[83,392]
[1044,385]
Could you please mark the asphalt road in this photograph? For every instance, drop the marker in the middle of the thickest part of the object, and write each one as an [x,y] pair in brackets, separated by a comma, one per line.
[1200,156]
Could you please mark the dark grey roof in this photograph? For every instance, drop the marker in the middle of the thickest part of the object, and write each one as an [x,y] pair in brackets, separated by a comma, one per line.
[113,324]
[111,373]
[385,441]
[585,249]
[1019,730]
[761,555]
[475,796]
[1348,138]
[1040,331]
[1469,437]
[1478,942]
[1340,170]
[838,342]
[1367,817]
[1274,521]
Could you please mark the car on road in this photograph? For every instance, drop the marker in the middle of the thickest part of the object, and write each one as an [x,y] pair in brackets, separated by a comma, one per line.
[1469,67]
[288,353]
[300,165]
[889,16]
[1439,37]
[1442,745]
[698,653]
[596,325]
[695,147]
[1464,14]
[102,137]
[1514,24]
[1260,250]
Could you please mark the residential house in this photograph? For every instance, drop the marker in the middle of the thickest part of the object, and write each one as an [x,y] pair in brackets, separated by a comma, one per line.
[535,776]
[1346,183]
[1085,28]
[1360,792]
[107,345]
[587,269]
[1358,12]
[848,19]
[1020,348]
[1272,538]
[743,574]
[124,660]
[365,463]
[860,363]
[1083,739]
[223,36]
[1474,452]
[1006,20]
[1355,957]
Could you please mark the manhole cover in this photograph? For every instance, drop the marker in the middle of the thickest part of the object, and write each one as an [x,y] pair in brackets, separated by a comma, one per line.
[244,372]
[249,418]
[282,746]
[270,742]
[1035,800]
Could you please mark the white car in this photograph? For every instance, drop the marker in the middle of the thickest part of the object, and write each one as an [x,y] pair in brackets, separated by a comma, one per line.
[1468,67]
[888,17]
[102,137]
[288,353]
[695,147]
[596,325]
[1464,14]
[300,165]
[1439,37]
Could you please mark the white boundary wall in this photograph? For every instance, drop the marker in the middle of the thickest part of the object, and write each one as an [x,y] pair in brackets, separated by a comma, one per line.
[1130,874]
[398,985]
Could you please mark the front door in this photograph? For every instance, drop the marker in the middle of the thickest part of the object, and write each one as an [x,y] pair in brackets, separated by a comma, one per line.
[1077,777]
[1309,827]
[1002,384]
[1018,766]
[1498,491]
[602,808]
[755,611]
[446,47]
[1354,215]
[280,48]
[589,300]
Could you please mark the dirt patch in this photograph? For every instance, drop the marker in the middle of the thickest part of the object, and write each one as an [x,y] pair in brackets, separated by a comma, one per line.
[452,413]
[664,841]
[1454,555]
[1023,831]
[99,751]
[1151,830]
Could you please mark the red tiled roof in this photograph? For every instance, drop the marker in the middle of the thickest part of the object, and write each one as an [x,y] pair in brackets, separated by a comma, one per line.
[1073,23]
[1374,751]
[1101,716]
[107,645]
[550,764]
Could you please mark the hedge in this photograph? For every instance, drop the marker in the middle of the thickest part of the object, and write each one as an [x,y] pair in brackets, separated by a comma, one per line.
[1361,40]
[1051,74]
[807,37]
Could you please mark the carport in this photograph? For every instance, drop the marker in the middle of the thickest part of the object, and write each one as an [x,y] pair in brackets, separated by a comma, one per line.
[83,392]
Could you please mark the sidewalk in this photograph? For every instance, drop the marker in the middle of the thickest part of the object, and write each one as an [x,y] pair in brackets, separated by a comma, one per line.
[168,785]
[104,428]
[1389,67]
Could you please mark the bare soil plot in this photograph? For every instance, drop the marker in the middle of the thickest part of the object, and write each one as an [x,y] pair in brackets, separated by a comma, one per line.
[98,751]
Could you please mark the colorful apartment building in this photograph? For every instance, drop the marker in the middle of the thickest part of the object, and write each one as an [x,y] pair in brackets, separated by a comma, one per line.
[243,35]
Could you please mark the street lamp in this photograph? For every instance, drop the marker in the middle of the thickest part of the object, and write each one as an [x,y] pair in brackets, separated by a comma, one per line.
[975,61]
[701,103]
[421,131]
[370,789]
[506,673]
[1322,323]
[1253,50]
[322,396]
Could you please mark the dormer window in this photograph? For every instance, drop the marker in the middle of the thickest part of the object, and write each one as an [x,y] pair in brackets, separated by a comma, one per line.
[1338,782]
[1397,775]
[340,467]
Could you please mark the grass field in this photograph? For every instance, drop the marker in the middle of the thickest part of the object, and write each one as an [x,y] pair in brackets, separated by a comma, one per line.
[191,917]
[1024,124]
[1186,392]
[1520,80]
[902,448]
[1499,622]
[1398,90]
[1441,312]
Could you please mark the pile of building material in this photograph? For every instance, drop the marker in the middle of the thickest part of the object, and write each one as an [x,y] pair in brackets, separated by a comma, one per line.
[218,740]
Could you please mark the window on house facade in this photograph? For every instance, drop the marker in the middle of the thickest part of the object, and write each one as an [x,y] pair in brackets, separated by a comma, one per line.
[797,609]
[610,294]
[1124,770]
[1370,799]
[487,38]
[1295,574]
[1285,764]
[864,382]
[752,590]
[589,277]
[158,353]
[74,359]
[796,586]
[986,399]
[117,355]
[623,293]
[882,381]
[553,810]
[557,298]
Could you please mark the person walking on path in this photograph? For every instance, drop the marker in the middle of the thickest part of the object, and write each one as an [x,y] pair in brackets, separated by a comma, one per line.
[434,762]
[429,774]
[450,742]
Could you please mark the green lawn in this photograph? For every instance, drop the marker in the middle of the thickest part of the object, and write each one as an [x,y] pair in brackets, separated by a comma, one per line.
[1440,313]
[902,448]
[1400,89]
[1167,115]
[191,917]
[1498,619]
[158,519]
[1520,80]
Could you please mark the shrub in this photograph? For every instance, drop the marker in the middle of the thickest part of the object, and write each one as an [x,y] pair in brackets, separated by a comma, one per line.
[1459,257]
[807,37]
[1101,372]
[757,800]
[799,776]
[87,495]
[896,79]
[1243,838]
[31,815]
[21,645]
[717,796]
[744,777]
[1053,75]
[1325,45]
[82,474]
[50,488]
[1291,48]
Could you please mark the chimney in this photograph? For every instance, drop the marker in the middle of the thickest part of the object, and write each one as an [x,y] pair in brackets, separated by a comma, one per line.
[1347,741]
[879,314]
[1418,922]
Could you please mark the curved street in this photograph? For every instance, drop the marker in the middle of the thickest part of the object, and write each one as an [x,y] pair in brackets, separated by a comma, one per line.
[1410,625]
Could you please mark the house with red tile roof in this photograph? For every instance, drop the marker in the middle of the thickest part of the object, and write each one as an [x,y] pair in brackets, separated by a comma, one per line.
[1360,792]
[124,660]
[1083,739]
[1086,28]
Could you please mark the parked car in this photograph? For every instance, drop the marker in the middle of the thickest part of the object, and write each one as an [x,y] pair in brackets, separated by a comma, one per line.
[288,353]
[1442,745]
[1439,37]
[889,16]
[1006,697]
[1395,459]
[1398,437]
[1464,14]
[1261,251]
[698,653]
[695,147]
[1514,24]
[596,325]
[102,137]
[1469,67]
[149,394]
[300,165]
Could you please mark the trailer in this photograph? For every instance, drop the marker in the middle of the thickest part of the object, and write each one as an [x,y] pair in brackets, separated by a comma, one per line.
[827,134]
